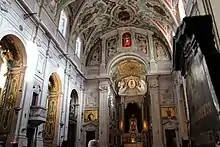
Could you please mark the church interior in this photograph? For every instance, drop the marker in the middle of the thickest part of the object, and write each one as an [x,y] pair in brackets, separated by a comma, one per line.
[121,73]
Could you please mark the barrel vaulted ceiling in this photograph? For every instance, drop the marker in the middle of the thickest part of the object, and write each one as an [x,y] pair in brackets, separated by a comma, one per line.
[92,18]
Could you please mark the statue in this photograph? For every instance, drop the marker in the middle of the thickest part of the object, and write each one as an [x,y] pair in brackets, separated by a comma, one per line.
[133,125]
[122,87]
[141,86]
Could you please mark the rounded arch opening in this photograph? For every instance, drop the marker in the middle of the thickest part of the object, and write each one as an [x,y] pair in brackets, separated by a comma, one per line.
[74,103]
[53,99]
[117,59]
[74,96]
[12,39]
[12,61]
[54,83]
[73,115]
[132,111]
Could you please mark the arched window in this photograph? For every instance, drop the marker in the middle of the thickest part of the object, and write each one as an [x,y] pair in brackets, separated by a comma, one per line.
[63,23]
[78,47]
[126,40]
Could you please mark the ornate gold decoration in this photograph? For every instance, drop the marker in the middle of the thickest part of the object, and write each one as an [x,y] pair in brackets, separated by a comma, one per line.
[12,57]
[130,68]
[168,112]
[8,99]
[132,86]
[52,101]
[131,83]
[90,115]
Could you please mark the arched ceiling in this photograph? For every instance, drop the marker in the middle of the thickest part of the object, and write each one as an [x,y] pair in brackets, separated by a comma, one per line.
[91,18]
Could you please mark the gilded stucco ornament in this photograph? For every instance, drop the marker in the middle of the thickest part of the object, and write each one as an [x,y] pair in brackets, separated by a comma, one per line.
[129,77]
[132,86]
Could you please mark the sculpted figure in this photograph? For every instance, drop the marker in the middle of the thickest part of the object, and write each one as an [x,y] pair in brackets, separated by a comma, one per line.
[122,87]
[133,125]
[141,86]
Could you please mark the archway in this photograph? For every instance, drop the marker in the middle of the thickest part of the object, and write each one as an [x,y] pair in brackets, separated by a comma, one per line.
[73,114]
[50,127]
[133,110]
[12,61]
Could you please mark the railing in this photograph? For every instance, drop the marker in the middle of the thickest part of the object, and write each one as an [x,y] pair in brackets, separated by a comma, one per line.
[37,115]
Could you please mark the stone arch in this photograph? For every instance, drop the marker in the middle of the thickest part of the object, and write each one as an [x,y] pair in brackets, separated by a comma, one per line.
[123,56]
[74,97]
[73,115]
[21,43]
[12,68]
[133,110]
[53,99]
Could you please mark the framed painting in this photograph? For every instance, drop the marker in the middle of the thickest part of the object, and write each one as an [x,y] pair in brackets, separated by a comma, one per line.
[168,112]
[90,115]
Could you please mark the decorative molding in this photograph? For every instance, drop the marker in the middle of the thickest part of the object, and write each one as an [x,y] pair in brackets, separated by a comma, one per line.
[4,5]
[153,86]
[103,88]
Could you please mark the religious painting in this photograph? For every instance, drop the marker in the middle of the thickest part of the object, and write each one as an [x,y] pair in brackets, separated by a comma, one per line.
[90,115]
[160,50]
[168,112]
[126,40]
[142,43]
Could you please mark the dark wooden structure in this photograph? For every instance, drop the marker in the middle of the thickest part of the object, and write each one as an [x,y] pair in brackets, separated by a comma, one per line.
[196,56]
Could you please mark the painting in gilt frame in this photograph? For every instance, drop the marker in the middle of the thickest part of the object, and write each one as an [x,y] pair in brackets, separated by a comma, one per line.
[168,112]
[90,115]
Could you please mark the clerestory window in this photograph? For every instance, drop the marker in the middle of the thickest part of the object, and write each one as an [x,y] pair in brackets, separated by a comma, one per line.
[78,47]
[63,23]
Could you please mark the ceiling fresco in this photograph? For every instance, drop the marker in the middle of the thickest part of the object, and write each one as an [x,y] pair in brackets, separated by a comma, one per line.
[107,14]
[93,18]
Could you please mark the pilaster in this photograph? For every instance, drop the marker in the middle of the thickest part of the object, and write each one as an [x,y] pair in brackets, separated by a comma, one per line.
[153,64]
[155,108]
[104,88]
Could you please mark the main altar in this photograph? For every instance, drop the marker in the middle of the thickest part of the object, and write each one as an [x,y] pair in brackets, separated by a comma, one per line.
[134,103]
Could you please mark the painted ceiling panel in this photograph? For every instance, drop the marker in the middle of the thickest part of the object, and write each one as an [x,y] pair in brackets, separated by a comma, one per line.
[92,18]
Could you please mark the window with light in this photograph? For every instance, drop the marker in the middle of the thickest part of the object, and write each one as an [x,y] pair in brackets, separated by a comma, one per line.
[63,23]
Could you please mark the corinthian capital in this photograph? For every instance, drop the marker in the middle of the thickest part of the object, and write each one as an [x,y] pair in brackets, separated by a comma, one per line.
[153,86]
[103,88]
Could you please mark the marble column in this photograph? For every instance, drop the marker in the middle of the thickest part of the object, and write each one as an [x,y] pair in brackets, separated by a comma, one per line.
[155,108]
[103,113]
